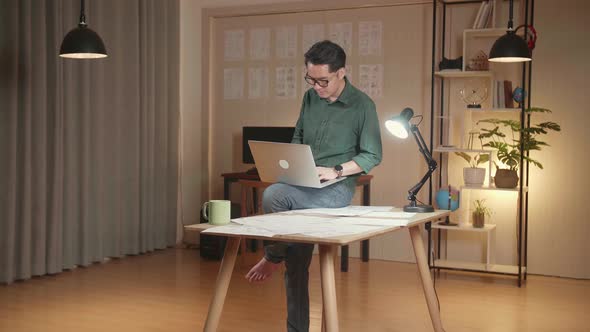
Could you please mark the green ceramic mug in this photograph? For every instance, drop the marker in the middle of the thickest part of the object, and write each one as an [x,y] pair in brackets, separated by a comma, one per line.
[217,212]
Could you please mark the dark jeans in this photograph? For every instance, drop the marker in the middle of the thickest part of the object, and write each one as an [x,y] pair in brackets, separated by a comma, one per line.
[297,256]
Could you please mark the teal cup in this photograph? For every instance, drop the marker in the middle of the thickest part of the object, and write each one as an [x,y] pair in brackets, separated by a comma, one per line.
[217,212]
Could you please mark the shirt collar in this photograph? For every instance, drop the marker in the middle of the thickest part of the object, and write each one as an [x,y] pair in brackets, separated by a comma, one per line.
[347,93]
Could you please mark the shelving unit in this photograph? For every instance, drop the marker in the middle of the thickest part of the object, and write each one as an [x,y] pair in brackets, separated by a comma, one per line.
[525,189]
[450,124]
[489,265]
[452,73]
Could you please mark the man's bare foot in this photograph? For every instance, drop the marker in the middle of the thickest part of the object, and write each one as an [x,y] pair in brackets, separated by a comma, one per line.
[262,270]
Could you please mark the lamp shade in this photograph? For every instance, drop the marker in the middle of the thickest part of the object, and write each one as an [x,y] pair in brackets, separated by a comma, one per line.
[510,48]
[82,43]
[399,125]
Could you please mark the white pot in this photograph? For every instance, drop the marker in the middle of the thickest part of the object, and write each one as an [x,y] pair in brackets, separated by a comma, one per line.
[474,177]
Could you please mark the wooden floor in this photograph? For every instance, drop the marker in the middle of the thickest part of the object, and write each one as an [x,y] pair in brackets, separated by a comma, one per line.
[170,290]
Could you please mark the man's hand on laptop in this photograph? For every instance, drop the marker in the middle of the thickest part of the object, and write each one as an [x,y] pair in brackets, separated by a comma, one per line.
[326,173]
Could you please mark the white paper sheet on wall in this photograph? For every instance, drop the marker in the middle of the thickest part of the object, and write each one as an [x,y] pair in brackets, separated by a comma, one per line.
[233,83]
[341,34]
[371,80]
[258,82]
[260,44]
[285,82]
[286,42]
[312,33]
[233,45]
[370,38]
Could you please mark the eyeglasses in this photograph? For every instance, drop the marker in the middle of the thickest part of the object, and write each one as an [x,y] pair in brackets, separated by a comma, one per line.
[312,81]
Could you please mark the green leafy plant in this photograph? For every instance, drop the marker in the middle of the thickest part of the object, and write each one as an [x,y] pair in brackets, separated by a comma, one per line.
[481,209]
[509,148]
[479,158]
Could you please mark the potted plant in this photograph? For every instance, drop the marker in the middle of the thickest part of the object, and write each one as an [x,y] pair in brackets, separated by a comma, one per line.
[473,176]
[509,148]
[480,212]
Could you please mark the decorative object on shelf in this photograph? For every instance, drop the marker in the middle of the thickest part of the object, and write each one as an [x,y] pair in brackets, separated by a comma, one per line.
[447,199]
[511,47]
[473,93]
[400,126]
[518,95]
[505,178]
[474,176]
[82,42]
[480,212]
[451,63]
[509,151]
[479,62]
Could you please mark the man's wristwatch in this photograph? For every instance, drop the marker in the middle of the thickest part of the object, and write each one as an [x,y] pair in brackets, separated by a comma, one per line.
[339,169]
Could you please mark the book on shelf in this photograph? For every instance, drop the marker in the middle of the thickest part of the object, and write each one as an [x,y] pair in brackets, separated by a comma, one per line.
[490,19]
[500,99]
[503,94]
[484,15]
[478,15]
[508,101]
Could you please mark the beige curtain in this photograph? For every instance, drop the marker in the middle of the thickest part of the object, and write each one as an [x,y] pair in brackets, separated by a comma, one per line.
[88,148]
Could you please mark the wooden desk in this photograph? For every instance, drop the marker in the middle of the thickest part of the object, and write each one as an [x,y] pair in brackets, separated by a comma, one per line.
[327,250]
[363,180]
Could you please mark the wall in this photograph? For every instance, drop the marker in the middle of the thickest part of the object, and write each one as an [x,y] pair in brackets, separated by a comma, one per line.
[556,193]
[195,170]
[560,232]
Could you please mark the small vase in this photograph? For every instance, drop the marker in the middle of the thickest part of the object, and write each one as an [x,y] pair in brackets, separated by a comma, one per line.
[479,220]
[506,178]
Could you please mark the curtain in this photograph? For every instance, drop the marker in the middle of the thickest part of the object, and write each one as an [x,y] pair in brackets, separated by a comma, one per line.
[88,148]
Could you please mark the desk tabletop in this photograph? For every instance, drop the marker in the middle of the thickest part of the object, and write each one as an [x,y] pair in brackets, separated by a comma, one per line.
[418,219]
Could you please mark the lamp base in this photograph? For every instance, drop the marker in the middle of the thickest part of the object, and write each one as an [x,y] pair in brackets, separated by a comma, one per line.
[418,208]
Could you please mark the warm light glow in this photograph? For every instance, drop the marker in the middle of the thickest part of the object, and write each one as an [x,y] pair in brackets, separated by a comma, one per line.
[83,55]
[509,59]
[396,128]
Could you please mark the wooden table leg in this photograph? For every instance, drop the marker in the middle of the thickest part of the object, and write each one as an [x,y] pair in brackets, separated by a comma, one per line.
[422,263]
[329,287]
[222,284]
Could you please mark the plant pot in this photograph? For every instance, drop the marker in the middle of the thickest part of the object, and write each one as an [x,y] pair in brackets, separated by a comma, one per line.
[479,220]
[474,177]
[506,178]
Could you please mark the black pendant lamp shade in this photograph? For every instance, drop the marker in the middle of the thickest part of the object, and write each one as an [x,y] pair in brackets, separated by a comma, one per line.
[82,42]
[510,47]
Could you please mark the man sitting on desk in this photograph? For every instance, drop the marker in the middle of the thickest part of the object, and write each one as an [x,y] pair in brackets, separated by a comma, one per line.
[340,124]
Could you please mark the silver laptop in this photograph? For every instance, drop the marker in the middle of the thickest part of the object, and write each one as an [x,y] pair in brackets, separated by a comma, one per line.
[287,163]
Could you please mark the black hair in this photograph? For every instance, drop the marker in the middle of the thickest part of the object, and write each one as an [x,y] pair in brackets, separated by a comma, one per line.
[326,53]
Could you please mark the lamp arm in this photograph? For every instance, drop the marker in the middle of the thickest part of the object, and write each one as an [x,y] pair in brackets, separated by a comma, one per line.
[429,160]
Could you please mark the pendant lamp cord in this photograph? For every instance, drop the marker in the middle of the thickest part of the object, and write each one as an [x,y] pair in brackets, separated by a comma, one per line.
[510,25]
[82,16]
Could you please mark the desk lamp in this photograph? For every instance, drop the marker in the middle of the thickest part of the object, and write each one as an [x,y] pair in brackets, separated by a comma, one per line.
[399,126]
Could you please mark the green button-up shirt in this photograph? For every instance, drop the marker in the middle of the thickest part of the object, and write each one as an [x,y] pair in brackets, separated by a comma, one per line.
[340,131]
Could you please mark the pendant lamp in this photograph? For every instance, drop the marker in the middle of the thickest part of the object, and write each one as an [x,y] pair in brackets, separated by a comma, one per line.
[82,42]
[510,47]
